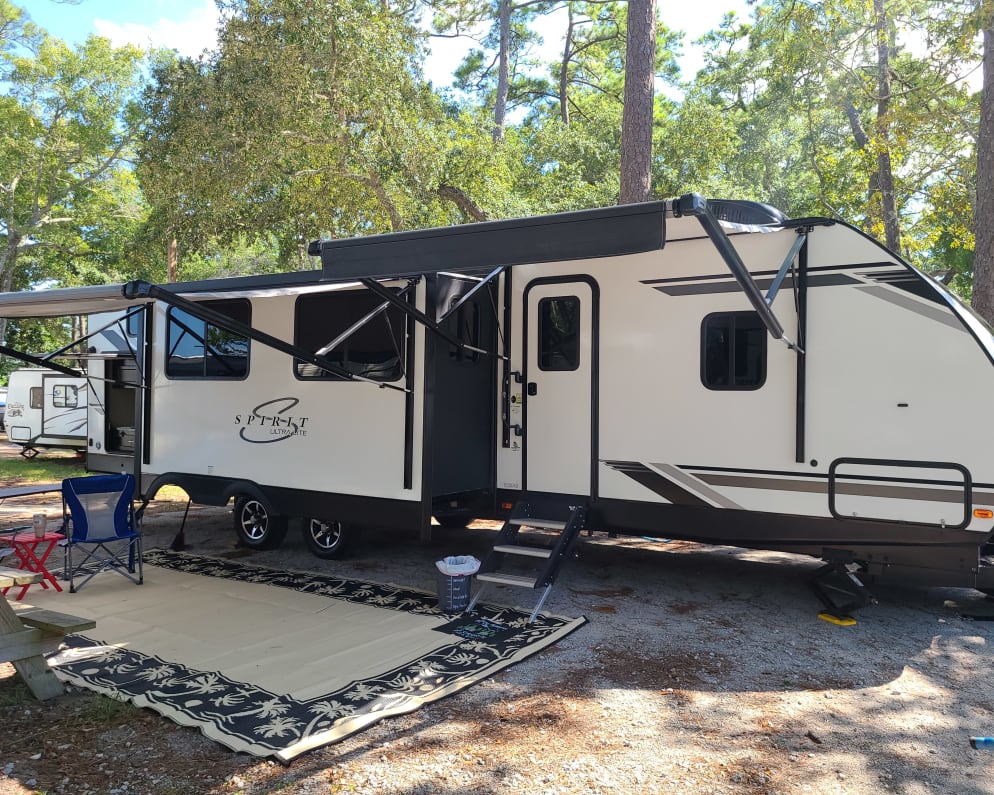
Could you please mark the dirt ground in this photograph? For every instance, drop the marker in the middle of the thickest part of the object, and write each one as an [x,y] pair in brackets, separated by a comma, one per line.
[701,670]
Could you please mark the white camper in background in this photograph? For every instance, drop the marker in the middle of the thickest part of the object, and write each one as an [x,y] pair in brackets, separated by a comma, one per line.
[46,409]
[703,370]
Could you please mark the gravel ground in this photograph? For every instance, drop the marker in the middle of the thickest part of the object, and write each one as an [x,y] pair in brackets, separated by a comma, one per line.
[701,670]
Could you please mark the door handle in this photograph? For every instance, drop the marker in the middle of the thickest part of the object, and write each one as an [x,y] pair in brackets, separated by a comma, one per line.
[532,389]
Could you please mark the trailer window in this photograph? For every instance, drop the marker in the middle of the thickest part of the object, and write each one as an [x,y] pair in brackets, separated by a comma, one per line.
[375,350]
[733,351]
[559,333]
[36,397]
[64,396]
[197,349]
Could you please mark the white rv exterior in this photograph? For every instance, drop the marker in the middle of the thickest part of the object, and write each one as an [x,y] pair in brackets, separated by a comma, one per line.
[46,409]
[715,373]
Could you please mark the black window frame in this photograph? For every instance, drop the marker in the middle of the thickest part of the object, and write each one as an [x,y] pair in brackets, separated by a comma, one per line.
[218,305]
[36,397]
[733,319]
[368,301]
[541,352]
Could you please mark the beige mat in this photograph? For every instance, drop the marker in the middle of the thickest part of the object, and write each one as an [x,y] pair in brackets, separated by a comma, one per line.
[277,663]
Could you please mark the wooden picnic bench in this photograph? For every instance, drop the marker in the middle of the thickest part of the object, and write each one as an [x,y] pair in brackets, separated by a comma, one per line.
[28,633]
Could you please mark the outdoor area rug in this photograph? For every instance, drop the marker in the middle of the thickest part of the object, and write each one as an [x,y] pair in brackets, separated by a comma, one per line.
[277,663]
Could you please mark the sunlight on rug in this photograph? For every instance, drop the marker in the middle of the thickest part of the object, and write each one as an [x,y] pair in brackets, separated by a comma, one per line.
[278,663]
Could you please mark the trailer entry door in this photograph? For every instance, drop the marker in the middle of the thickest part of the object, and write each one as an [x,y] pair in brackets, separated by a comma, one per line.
[558,396]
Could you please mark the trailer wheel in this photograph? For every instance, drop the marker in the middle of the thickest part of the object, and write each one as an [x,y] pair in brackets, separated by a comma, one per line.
[255,526]
[327,539]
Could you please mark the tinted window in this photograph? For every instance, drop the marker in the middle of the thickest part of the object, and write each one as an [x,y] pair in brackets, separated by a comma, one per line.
[64,396]
[36,397]
[197,349]
[559,333]
[131,324]
[375,351]
[733,354]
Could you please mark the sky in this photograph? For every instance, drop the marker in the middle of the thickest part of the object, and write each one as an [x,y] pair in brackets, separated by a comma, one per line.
[189,26]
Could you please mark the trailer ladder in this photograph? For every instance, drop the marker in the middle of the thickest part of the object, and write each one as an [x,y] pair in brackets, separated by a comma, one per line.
[511,551]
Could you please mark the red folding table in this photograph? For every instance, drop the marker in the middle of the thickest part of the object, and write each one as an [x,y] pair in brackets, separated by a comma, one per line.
[31,552]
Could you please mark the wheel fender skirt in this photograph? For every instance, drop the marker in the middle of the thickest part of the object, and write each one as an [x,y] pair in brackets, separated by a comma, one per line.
[207,490]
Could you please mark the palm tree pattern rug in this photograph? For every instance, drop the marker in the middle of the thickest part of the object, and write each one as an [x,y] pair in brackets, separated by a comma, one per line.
[277,663]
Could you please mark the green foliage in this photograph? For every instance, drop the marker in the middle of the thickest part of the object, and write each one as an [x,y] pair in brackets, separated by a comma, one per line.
[313,119]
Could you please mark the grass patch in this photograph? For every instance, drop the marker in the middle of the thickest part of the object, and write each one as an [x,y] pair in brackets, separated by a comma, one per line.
[40,469]
[101,711]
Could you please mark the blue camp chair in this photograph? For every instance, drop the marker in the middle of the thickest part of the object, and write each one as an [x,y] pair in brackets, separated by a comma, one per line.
[99,517]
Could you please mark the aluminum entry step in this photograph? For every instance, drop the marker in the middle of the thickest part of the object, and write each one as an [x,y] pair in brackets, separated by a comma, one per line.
[528,521]
[515,549]
[507,579]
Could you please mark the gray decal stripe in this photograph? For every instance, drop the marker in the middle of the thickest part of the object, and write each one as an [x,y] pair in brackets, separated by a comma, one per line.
[930,311]
[731,286]
[697,485]
[655,482]
[842,487]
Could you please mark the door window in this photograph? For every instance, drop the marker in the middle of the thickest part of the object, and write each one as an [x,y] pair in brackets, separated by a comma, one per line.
[559,333]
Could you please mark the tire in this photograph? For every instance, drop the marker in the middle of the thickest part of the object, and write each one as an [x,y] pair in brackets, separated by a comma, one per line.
[327,539]
[255,526]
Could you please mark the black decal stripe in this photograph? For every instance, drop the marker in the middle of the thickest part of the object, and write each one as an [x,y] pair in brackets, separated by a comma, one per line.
[911,283]
[655,482]
[731,286]
[848,268]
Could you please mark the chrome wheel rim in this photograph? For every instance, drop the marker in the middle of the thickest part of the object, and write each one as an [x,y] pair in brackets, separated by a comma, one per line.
[326,535]
[254,520]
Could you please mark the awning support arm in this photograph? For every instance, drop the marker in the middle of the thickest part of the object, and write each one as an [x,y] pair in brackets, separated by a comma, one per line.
[27,358]
[141,289]
[115,322]
[387,295]
[771,294]
[472,291]
[695,205]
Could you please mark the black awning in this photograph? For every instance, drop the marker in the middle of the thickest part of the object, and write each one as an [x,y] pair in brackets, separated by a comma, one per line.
[479,248]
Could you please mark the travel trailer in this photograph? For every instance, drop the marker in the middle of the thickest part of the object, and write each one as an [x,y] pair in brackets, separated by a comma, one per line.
[46,409]
[703,370]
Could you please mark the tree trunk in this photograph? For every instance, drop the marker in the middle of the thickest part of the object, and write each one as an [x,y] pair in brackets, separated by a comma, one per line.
[863,143]
[8,258]
[983,214]
[636,119]
[503,69]
[564,69]
[885,174]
